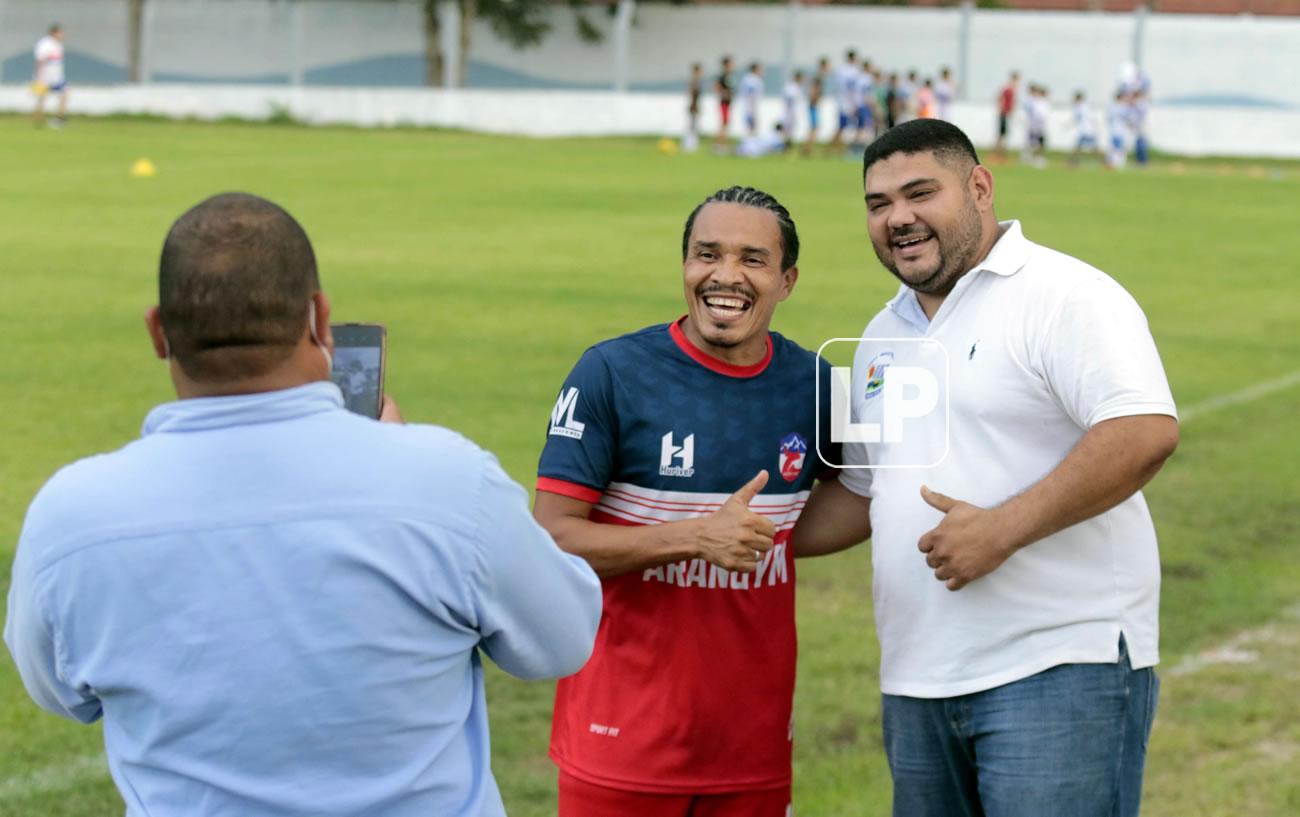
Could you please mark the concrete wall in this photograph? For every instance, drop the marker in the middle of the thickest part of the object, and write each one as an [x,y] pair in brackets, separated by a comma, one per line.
[1226,60]
[1225,85]
[1191,131]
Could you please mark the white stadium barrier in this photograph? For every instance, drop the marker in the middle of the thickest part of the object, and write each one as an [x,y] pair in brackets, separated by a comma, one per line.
[1221,85]
[1191,131]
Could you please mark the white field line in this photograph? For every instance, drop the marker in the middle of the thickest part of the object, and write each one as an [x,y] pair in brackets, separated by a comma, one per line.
[54,778]
[1246,395]
[1236,650]
[1244,647]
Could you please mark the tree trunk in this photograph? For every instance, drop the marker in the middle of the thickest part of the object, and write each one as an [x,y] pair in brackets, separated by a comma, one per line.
[433,59]
[468,13]
[134,38]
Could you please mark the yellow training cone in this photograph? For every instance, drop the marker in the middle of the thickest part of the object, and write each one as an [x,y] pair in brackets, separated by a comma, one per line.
[143,169]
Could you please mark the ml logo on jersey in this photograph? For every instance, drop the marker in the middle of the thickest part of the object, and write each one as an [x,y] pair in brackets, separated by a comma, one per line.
[562,422]
[669,451]
[794,450]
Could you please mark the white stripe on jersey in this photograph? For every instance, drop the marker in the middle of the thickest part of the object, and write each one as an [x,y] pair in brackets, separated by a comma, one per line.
[646,506]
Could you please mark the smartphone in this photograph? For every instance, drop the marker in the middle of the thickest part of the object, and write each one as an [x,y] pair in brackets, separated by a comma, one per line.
[360,350]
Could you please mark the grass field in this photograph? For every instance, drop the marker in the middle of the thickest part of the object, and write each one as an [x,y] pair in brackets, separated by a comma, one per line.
[496,261]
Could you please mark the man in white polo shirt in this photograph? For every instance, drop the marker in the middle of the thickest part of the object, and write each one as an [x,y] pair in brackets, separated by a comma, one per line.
[1016,578]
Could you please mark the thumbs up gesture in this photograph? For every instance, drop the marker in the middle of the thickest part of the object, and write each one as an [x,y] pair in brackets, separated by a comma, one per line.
[968,543]
[733,537]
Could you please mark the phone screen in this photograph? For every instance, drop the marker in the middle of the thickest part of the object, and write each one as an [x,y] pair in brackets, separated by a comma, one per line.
[359,365]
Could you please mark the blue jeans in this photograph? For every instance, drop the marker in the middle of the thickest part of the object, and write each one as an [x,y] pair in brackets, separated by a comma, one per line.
[1068,742]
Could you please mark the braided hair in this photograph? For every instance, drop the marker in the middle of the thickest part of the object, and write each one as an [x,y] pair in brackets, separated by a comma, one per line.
[752,197]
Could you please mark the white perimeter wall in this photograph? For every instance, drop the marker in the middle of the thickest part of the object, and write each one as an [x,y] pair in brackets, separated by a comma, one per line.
[1221,84]
[1189,57]
[1189,131]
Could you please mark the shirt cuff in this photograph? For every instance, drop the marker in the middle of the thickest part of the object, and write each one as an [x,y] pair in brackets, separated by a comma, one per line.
[1132,410]
[570,489]
[857,480]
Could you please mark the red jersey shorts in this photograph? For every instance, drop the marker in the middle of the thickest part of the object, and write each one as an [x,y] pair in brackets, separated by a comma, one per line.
[581,799]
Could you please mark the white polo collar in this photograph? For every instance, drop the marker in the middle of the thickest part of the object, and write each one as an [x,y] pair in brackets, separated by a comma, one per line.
[1010,252]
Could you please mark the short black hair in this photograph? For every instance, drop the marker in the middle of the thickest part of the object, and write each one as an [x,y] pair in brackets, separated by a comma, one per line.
[55,28]
[236,275]
[752,197]
[945,140]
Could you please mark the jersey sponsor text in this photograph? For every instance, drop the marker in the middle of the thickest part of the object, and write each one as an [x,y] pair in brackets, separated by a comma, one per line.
[699,573]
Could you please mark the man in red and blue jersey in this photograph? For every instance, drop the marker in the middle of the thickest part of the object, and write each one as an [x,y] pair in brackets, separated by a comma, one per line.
[678,459]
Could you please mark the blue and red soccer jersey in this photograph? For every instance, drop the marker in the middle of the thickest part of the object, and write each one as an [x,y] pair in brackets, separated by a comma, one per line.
[691,684]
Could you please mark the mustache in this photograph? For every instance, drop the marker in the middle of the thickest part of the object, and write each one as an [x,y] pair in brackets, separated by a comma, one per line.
[720,289]
[908,232]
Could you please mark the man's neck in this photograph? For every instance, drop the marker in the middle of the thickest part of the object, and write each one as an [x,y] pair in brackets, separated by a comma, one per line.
[305,365]
[931,301]
[187,388]
[748,353]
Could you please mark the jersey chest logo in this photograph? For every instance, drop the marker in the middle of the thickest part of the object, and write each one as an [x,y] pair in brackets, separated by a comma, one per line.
[670,453]
[794,450]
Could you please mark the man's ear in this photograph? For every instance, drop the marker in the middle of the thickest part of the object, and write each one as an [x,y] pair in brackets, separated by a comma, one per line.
[981,187]
[153,324]
[791,277]
[321,330]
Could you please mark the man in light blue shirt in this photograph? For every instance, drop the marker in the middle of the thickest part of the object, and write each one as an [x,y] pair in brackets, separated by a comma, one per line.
[278,606]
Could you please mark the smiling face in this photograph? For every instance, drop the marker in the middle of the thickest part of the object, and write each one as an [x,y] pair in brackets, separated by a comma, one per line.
[733,280]
[930,221]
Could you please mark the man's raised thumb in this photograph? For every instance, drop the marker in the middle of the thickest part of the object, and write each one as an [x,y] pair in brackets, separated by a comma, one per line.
[936,500]
[750,489]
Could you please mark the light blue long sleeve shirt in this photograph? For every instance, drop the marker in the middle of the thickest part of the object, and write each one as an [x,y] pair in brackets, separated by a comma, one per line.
[278,606]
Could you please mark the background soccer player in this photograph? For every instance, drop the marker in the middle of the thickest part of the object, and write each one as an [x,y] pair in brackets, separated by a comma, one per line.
[1085,128]
[48,77]
[864,99]
[945,91]
[792,99]
[846,85]
[1006,107]
[685,705]
[722,88]
[816,86]
[693,91]
[751,94]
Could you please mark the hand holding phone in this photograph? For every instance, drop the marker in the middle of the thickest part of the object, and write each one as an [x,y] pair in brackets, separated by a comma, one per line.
[360,352]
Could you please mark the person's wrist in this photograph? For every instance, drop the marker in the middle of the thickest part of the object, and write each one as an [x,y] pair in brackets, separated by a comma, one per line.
[1014,526]
[684,540]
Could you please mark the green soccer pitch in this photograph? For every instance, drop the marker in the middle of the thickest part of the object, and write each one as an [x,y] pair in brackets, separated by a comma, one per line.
[496,261]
